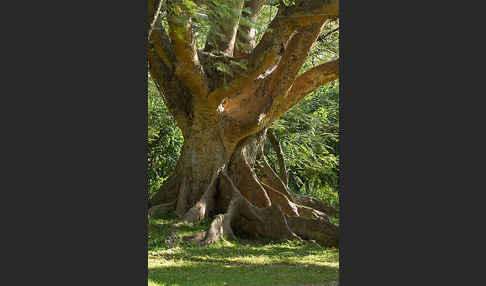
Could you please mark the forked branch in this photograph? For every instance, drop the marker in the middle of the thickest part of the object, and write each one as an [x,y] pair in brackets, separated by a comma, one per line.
[294,58]
[311,80]
[273,43]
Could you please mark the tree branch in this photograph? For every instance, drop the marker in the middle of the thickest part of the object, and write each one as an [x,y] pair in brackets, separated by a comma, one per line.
[226,17]
[245,39]
[154,7]
[261,110]
[176,95]
[310,81]
[269,95]
[163,46]
[294,58]
[272,46]
[187,65]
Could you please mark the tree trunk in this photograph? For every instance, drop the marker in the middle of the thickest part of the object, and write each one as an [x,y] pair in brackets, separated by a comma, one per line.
[251,199]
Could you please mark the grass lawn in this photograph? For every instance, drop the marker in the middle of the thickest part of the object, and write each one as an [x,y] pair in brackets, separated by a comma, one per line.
[248,263]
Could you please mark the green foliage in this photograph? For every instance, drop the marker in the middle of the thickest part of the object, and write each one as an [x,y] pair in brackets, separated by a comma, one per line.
[164,140]
[309,135]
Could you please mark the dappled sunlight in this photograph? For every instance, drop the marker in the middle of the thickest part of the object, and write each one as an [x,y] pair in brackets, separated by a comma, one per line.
[243,262]
[244,254]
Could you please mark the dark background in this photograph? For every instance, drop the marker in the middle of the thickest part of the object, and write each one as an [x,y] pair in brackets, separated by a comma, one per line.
[74,121]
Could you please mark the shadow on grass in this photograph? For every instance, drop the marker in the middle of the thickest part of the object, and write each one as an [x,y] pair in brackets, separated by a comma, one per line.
[254,255]
[207,274]
[243,262]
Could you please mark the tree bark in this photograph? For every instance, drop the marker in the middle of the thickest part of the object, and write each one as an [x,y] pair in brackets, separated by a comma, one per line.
[222,168]
[240,189]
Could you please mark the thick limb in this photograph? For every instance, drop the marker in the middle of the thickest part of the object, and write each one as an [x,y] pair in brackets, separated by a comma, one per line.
[175,94]
[187,65]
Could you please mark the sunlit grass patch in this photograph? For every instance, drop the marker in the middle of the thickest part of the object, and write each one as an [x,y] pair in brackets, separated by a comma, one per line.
[235,263]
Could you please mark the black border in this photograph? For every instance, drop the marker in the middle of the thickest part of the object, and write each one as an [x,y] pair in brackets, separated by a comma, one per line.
[76,159]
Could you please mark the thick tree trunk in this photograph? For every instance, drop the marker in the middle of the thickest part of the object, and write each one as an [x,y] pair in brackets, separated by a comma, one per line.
[190,190]
[251,199]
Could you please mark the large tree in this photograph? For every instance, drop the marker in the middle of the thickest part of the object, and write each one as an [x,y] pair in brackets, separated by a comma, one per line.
[224,97]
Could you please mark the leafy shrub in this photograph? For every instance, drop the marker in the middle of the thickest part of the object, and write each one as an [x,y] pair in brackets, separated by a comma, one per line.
[164,140]
[309,135]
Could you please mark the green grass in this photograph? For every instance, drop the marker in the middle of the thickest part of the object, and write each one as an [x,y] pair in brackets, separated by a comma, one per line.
[235,263]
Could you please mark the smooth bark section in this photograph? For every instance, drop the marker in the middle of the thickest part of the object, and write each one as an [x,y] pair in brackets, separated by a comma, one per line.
[311,80]
[303,85]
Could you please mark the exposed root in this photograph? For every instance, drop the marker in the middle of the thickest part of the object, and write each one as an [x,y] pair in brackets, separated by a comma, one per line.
[161,209]
[250,206]
[205,204]
[220,229]
[264,222]
[279,194]
[315,204]
[272,179]
[304,203]
[278,198]
[317,229]
[255,222]
[247,180]
[307,212]
[182,198]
